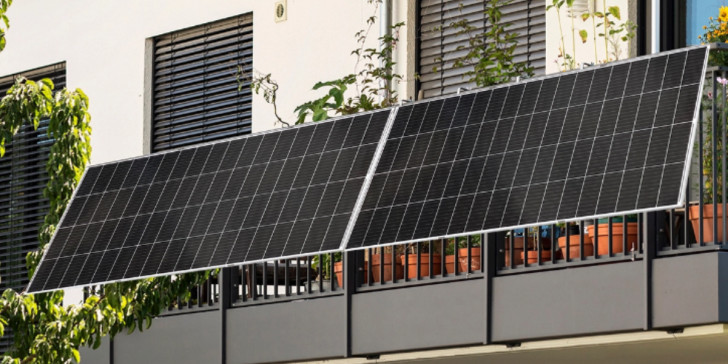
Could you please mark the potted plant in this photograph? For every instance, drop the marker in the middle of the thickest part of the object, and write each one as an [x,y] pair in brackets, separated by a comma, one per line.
[425,256]
[538,235]
[384,254]
[530,255]
[517,250]
[461,244]
[619,225]
[574,235]
[322,263]
[710,162]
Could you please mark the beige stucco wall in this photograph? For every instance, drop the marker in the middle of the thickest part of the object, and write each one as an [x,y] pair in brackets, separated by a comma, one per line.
[584,51]
[103,43]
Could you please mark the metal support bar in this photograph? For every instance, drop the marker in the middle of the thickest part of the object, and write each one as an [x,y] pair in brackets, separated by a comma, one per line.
[225,282]
[489,251]
[648,248]
[111,350]
[352,279]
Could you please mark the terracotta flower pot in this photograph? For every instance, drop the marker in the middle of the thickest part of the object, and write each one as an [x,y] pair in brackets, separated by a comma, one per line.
[575,248]
[518,249]
[517,256]
[376,262]
[424,264]
[463,260]
[533,256]
[450,263]
[339,273]
[707,222]
[617,232]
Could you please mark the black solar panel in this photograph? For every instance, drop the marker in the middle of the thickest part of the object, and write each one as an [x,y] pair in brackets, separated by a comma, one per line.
[608,140]
[282,193]
[603,141]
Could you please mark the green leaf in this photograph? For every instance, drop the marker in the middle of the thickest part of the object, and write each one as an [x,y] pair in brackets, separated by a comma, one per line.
[585,16]
[320,115]
[583,34]
[76,355]
[614,10]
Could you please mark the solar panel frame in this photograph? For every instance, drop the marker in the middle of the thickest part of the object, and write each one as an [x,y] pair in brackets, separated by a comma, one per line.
[565,104]
[95,170]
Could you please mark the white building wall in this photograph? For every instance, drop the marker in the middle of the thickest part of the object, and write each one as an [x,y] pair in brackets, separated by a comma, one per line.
[584,52]
[103,44]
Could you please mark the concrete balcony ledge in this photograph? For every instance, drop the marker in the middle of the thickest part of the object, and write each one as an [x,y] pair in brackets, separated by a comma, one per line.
[699,344]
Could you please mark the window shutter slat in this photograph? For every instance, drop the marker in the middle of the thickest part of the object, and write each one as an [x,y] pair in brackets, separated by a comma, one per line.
[196,97]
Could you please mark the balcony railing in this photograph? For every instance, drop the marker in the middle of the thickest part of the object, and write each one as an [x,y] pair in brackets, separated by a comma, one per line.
[687,229]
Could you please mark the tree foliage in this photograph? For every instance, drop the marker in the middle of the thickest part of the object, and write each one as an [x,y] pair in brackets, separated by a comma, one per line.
[44,330]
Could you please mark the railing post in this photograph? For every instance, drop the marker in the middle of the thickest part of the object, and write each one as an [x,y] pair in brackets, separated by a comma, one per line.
[649,235]
[714,158]
[489,250]
[224,282]
[352,279]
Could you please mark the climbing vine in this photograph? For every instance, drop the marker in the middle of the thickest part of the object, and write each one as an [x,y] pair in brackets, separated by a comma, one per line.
[44,329]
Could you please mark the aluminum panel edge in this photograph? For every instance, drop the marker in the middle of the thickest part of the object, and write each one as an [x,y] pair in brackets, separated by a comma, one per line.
[369,176]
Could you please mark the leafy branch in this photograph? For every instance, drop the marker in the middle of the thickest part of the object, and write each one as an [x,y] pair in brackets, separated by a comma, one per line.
[263,84]
[490,53]
[606,24]
[44,329]
[372,82]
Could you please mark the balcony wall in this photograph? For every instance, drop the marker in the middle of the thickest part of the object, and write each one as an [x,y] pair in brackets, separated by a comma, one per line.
[687,290]
[568,302]
[287,331]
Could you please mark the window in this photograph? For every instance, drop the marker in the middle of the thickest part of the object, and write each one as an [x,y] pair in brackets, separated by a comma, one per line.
[196,96]
[438,44]
[23,178]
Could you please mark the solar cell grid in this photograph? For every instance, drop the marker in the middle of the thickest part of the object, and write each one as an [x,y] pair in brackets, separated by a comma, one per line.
[562,147]
[607,140]
[223,203]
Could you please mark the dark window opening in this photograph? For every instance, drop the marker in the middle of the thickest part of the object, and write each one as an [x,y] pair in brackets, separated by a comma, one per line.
[196,93]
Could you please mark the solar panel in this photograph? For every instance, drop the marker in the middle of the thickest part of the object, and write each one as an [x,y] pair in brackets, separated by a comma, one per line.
[609,140]
[269,195]
[604,141]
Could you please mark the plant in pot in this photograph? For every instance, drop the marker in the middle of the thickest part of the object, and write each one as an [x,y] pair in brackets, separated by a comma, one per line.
[461,244]
[712,164]
[530,254]
[379,255]
[619,225]
[428,251]
[573,231]
[537,235]
[322,263]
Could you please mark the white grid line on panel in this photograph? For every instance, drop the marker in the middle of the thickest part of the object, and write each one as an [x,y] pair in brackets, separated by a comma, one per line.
[387,173]
[370,176]
[581,122]
[347,179]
